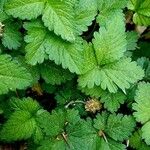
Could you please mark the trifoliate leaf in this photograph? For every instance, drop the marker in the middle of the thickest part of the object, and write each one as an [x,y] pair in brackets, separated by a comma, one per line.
[42,43]
[141,107]
[54,74]
[109,9]
[77,137]
[81,136]
[142,13]
[136,141]
[105,67]
[22,122]
[57,121]
[11,37]
[12,75]
[24,9]
[117,127]
[111,76]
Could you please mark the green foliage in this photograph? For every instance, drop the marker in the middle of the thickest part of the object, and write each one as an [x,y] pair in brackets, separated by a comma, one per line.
[109,9]
[54,74]
[13,76]
[142,13]
[22,122]
[136,141]
[11,36]
[117,127]
[74,74]
[141,107]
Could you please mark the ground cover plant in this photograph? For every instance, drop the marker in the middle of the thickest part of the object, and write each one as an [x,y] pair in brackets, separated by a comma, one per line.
[74,74]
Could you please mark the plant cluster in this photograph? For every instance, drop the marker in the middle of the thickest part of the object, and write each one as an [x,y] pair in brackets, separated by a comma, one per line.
[75,74]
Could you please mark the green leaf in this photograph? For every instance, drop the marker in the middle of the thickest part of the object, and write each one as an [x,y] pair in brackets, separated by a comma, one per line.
[2,2]
[109,9]
[96,91]
[136,141]
[20,125]
[67,94]
[25,104]
[61,18]
[83,20]
[11,37]
[118,74]
[42,43]
[112,101]
[142,11]
[110,43]
[117,127]
[22,122]
[81,136]
[33,70]
[142,110]
[12,75]
[54,74]
[57,121]
[145,64]
[104,64]
[142,99]
[24,9]
[37,38]
[132,38]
